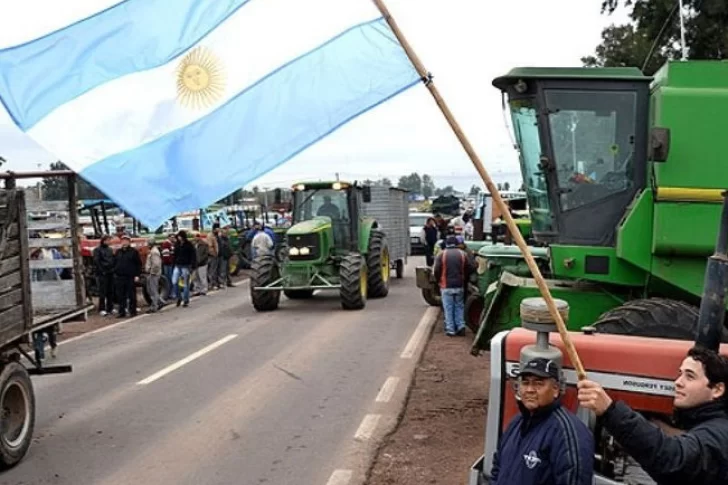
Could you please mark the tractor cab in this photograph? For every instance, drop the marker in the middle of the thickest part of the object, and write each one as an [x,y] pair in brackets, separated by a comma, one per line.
[322,205]
[583,139]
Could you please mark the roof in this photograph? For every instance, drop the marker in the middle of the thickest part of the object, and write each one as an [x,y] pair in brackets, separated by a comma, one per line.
[591,73]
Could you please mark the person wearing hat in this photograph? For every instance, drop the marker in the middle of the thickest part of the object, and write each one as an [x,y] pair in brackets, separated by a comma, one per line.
[127,269]
[104,268]
[153,268]
[452,270]
[545,443]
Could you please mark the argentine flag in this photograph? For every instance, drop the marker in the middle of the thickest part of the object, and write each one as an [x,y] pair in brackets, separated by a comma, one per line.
[169,105]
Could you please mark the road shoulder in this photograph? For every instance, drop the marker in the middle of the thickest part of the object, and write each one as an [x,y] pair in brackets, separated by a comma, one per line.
[441,431]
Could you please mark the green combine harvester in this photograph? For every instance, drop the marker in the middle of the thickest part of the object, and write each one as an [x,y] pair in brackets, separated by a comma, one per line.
[624,175]
[345,238]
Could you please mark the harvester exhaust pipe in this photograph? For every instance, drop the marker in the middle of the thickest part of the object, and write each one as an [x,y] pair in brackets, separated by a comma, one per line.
[712,305]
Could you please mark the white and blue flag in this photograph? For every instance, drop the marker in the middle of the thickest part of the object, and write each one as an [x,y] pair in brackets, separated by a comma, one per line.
[169,105]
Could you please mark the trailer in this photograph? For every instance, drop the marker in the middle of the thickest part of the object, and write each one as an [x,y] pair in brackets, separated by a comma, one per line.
[41,285]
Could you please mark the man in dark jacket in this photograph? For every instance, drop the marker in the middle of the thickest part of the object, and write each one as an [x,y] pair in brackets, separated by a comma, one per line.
[545,444]
[104,267]
[697,455]
[431,235]
[452,271]
[185,260]
[127,269]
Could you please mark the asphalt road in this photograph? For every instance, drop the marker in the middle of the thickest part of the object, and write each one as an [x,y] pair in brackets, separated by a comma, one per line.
[219,394]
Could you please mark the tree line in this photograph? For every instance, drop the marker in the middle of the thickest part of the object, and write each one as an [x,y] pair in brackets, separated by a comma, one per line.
[652,36]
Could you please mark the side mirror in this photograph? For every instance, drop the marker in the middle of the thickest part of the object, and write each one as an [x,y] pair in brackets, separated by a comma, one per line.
[367,194]
[659,144]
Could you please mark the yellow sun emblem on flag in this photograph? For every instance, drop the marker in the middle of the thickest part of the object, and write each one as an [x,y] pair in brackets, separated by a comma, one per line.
[200,79]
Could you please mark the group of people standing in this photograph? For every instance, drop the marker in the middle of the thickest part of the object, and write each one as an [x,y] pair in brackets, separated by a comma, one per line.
[203,263]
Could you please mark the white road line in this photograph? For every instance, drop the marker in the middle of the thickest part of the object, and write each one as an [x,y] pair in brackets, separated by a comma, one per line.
[367,427]
[128,320]
[340,477]
[387,391]
[422,328]
[186,360]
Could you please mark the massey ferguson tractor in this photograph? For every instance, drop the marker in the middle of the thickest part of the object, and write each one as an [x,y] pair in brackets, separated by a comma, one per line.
[344,238]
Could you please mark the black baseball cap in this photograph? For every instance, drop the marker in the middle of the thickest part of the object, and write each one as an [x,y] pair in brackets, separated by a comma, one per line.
[540,367]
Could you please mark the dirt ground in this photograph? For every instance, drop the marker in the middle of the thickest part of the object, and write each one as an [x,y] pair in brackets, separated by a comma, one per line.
[442,430]
[71,329]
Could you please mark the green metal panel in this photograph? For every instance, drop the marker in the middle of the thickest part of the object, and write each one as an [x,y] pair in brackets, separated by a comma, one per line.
[685,229]
[634,235]
[365,231]
[570,262]
[502,309]
[690,98]
[685,274]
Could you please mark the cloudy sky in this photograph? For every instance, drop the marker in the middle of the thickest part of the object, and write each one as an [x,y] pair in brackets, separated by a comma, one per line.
[465,44]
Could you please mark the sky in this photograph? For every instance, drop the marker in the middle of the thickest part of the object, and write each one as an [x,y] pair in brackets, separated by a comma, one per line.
[464,44]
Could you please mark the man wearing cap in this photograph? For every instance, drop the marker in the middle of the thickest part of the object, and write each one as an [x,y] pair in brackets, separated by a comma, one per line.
[153,268]
[545,444]
[452,270]
[127,269]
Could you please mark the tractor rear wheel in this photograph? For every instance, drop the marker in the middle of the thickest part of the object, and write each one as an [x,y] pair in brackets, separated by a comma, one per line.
[298,294]
[473,309]
[265,272]
[378,265]
[353,279]
[653,317]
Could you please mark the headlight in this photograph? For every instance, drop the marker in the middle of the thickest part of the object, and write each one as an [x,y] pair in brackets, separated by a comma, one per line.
[305,251]
[293,252]
[300,187]
[336,186]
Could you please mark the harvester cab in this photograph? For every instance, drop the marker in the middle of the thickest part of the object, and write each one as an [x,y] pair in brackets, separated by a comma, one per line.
[623,175]
[344,237]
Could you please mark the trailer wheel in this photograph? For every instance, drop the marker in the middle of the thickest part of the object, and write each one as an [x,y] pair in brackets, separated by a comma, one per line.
[265,272]
[17,404]
[653,317]
[378,265]
[354,282]
[298,294]
[399,269]
[432,296]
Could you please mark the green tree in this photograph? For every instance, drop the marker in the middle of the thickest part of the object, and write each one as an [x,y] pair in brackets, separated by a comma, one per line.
[657,23]
[447,190]
[411,182]
[428,186]
[385,182]
[475,190]
[56,188]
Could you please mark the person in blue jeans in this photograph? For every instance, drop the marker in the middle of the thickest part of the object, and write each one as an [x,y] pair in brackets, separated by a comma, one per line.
[185,260]
[452,270]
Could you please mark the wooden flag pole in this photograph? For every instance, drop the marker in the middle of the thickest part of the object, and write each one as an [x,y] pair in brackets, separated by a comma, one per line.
[537,276]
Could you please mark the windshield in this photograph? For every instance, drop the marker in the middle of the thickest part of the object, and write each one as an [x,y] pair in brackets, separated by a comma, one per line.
[418,220]
[320,202]
[525,127]
[593,143]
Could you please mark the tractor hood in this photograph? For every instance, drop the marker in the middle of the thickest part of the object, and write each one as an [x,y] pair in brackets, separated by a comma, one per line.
[307,227]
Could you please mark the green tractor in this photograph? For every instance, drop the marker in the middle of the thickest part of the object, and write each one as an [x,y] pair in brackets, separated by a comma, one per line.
[345,238]
[624,175]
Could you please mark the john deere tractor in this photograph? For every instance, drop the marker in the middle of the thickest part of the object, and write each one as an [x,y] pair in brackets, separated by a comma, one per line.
[624,175]
[336,244]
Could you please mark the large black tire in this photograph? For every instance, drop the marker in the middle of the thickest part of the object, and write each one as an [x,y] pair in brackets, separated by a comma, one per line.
[378,265]
[654,317]
[432,296]
[163,288]
[17,402]
[473,309]
[265,272]
[298,294]
[353,279]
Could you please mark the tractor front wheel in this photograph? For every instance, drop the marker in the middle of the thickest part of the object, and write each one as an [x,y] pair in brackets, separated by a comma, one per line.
[432,296]
[265,272]
[653,317]
[378,265]
[353,279]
